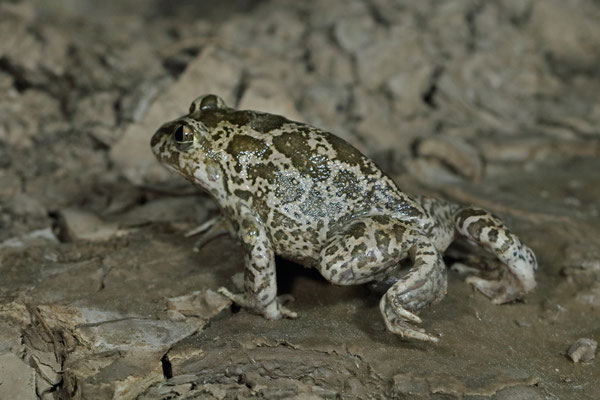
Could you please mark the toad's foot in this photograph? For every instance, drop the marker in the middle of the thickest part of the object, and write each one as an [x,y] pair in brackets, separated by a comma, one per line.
[274,310]
[503,290]
[424,284]
[397,321]
[519,261]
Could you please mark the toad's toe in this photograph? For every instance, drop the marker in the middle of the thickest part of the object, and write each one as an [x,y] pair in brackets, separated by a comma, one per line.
[499,291]
[395,318]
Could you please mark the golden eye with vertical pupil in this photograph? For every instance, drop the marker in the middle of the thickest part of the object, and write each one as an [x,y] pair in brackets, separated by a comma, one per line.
[183,136]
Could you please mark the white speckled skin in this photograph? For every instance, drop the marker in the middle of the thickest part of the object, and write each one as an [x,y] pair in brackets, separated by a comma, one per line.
[290,189]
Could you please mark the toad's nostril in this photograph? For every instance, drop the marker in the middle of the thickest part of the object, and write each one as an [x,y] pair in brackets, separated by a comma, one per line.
[156,137]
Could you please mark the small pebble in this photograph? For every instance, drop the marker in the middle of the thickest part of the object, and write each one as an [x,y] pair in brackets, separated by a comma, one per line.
[522,323]
[583,350]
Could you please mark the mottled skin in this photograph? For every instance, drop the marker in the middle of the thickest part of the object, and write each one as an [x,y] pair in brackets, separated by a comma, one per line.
[290,189]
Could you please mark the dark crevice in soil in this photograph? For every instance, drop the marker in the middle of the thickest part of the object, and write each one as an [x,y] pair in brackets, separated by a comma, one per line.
[167,368]
[241,87]
[470,18]
[20,83]
[377,15]
[177,63]
[431,92]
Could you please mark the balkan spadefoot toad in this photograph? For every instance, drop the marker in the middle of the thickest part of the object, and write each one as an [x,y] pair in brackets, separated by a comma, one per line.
[290,189]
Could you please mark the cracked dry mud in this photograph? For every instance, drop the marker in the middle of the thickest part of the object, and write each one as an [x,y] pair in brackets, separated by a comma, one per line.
[103,296]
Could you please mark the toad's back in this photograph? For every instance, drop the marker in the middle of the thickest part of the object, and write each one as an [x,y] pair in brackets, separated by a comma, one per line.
[269,157]
[303,182]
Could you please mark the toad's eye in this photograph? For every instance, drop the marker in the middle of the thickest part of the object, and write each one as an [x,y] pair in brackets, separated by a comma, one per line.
[207,102]
[183,136]
[211,102]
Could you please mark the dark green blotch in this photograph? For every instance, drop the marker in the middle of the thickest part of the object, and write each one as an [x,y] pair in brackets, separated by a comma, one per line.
[381,219]
[212,118]
[357,230]
[350,155]
[307,161]
[359,249]
[242,194]
[266,123]
[477,227]
[280,235]
[399,231]
[313,236]
[331,250]
[266,171]
[216,135]
[260,122]
[467,213]
[247,145]
[281,220]
[493,235]
[260,206]
[382,239]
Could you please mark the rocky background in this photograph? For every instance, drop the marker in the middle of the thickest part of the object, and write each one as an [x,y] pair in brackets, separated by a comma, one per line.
[492,103]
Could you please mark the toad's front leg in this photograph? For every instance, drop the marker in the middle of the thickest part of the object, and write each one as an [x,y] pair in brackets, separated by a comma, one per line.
[518,279]
[260,285]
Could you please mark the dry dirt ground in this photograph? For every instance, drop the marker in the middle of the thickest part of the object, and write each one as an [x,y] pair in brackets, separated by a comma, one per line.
[492,103]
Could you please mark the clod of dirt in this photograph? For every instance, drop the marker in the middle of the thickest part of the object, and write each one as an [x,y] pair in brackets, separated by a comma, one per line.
[203,304]
[74,224]
[457,155]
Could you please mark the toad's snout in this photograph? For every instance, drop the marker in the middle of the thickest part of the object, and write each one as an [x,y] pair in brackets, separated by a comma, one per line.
[159,137]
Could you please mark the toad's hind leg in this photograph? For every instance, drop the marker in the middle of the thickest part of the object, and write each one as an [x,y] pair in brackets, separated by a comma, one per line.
[424,284]
[367,248]
[489,231]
